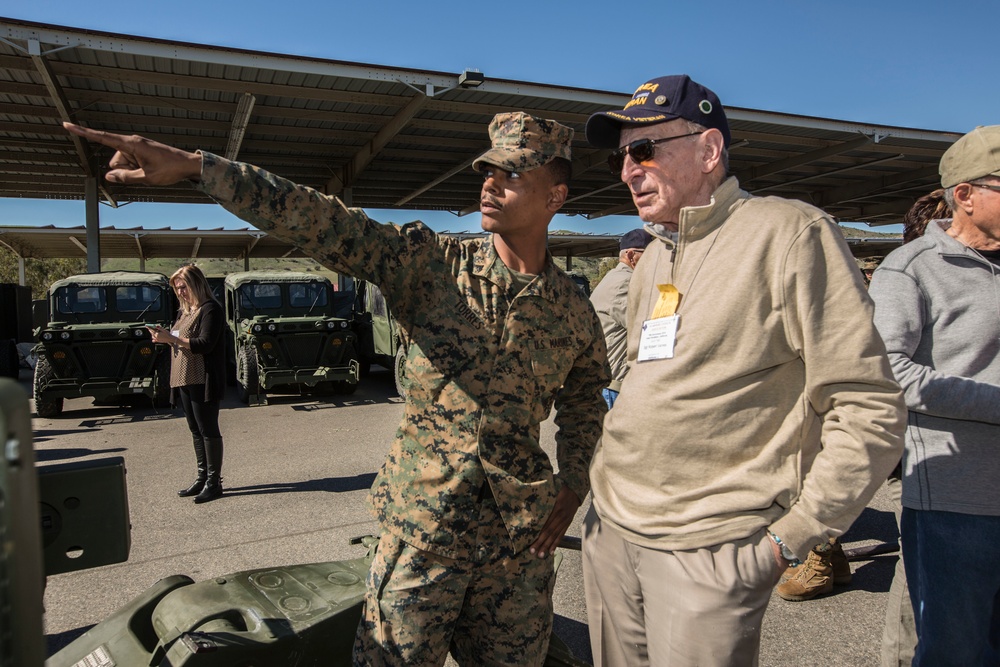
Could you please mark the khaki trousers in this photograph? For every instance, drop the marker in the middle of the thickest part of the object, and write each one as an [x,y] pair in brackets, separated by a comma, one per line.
[899,638]
[700,607]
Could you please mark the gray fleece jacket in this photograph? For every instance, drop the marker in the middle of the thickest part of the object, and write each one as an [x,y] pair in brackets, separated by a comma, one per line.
[937,307]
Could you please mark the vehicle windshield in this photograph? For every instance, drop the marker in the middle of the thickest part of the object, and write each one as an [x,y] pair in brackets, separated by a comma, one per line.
[138,299]
[285,299]
[103,303]
[80,300]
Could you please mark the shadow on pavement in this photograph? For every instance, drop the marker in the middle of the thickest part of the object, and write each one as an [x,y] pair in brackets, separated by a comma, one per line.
[43,455]
[872,524]
[575,635]
[129,419]
[327,484]
[337,403]
[874,576]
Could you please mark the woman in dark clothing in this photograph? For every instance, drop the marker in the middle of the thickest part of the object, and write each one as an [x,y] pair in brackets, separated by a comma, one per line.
[197,374]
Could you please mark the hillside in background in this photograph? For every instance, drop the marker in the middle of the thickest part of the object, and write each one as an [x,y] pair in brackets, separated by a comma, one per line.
[855,233]
[218,267]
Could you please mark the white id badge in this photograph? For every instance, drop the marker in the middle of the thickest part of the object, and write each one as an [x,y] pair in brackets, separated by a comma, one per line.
[657,338]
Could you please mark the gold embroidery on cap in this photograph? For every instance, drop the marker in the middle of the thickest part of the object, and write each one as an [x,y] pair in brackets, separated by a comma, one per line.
[637,100]
[647,119]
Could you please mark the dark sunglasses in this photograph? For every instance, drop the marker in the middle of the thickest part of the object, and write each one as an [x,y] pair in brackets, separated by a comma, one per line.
[640,150]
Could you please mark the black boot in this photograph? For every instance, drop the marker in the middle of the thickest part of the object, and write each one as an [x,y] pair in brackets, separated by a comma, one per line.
[213,482]
[199,454]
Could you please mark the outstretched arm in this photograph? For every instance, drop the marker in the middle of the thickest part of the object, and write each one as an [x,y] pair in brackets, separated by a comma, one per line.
[140,160]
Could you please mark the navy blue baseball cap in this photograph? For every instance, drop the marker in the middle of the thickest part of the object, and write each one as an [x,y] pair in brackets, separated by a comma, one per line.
[657,101]
[636,239]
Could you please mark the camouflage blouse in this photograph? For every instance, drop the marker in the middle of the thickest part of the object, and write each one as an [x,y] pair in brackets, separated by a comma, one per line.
[485,365]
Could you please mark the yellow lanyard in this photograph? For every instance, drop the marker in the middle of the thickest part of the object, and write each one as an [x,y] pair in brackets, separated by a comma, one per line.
[667,304]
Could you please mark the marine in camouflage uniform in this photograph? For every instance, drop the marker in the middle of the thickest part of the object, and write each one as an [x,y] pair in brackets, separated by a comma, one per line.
[466,489]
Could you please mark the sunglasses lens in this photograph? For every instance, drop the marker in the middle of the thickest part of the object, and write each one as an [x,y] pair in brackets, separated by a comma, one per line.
[641,150]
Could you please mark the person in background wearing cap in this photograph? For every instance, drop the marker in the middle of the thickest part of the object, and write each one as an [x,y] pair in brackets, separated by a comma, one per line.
[937,307]
[760,414]
[610,299]
[868,266]
[467,501]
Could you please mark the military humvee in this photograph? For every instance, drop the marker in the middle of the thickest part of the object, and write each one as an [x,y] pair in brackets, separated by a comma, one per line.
[380,340]
[290,329]
[96,344]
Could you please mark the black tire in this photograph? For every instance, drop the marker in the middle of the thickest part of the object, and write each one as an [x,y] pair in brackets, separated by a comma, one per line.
[346,387]
[161,382]
[399,370]
[247,374]
[10,365]
[50,407]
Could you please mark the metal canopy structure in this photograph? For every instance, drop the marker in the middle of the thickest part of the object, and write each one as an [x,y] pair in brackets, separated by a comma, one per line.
[382,137]
[247,244]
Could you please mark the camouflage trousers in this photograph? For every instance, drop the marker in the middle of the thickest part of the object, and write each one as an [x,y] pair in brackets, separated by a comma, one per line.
[495,609]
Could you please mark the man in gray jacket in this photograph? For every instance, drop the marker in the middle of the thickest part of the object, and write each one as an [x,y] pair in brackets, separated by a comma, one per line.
[610,299]
[937,306]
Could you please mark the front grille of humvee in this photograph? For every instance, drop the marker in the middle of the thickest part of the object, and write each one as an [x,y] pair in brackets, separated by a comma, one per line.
[304,349]
[103,360]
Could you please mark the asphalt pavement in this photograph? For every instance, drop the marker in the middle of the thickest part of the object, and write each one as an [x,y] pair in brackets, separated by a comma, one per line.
[296,478]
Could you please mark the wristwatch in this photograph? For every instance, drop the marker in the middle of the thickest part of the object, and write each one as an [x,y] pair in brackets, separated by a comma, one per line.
[786,553]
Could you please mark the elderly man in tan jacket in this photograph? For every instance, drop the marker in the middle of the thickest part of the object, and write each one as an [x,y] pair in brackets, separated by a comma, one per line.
[759,414]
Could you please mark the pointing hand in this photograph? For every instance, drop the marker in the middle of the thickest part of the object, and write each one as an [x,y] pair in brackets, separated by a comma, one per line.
[141,160]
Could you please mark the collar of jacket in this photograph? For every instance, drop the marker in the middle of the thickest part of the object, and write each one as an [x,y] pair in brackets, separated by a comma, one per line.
[698,221]
[487,265]
[937,232]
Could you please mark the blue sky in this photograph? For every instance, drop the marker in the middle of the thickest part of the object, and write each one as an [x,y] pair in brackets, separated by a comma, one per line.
[917,64]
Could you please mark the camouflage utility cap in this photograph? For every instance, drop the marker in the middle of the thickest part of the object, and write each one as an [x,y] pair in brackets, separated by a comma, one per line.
[973,156]
[522,142]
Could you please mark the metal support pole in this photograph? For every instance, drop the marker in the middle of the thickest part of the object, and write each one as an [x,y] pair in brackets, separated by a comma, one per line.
[246,262]
[21,280]
[93,226]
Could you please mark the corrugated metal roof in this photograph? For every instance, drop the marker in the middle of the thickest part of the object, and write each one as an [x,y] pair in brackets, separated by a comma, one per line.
[383,137]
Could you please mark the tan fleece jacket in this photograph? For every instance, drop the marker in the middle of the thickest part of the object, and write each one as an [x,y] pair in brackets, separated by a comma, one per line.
[779,408]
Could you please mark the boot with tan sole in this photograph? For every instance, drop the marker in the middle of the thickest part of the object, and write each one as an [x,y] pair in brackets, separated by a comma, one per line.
[816,575]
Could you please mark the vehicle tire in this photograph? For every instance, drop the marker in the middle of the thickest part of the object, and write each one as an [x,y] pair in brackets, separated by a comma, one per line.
[50,407]
[399,370]
[247,374]
[347,387]
[10,365]
[161,382]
